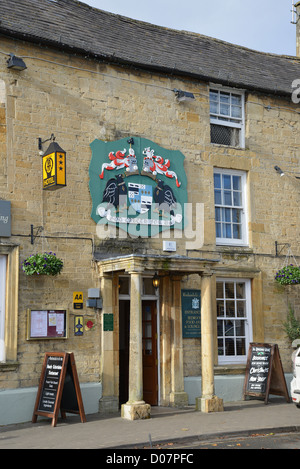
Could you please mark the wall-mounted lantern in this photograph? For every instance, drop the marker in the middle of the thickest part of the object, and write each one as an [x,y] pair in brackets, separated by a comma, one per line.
[54,167]
[156,281]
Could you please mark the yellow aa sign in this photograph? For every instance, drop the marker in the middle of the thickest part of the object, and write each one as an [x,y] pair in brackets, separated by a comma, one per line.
[77,300]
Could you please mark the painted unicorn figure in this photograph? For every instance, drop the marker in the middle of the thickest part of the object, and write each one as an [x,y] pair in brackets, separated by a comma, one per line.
[154,165]
[120,161]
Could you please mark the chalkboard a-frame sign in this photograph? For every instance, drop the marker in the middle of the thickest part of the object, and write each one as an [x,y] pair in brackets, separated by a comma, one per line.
[59,388]
[264,372]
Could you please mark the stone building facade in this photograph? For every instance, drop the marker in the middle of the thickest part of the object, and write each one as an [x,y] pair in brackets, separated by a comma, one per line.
[239,219]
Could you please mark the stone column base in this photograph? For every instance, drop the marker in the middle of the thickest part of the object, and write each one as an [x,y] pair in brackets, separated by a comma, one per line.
[108,405]
[179,399]
[136,410]
[209,404]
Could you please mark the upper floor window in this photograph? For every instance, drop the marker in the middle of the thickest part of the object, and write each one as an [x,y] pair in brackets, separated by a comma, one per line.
[230,207]
[227,117]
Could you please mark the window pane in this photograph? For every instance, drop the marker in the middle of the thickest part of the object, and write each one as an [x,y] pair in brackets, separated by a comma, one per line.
[214,108]
[240,309]
[220,347]
[229,328]
[225,98]
[148,330]
[220,328]
[227,215]
[236,183]
[240,347]
[240,290]
[218,197]
[226,181]
[236,112]
[220,308]
[237,199]
[236,99]
[227,231]
[217,181]
[230,309]
[236,231]
[218,214]
[240,328]
[224,109]
[219,230]
[148,347]
[214,95]
[227,198]
[229,347]
[236,215]
[229,290]
[219,289]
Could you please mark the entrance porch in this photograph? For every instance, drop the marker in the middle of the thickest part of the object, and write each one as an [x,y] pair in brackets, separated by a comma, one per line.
[148,358]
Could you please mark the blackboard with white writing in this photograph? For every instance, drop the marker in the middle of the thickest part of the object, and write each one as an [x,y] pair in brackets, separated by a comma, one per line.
[59,388]
[50,385]
[264,372]
[259,368]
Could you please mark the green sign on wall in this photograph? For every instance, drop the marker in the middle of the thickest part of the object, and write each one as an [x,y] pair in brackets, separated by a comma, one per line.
[137,186]
[108,322]
[191,313]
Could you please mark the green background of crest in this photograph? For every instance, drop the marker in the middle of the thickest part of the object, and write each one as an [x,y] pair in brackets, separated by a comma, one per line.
[100,151]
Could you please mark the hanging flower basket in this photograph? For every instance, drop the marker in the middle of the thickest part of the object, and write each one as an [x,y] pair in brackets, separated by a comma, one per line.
[42,264]
[288,275]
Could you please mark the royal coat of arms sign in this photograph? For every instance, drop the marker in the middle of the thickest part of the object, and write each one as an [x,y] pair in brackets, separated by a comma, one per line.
[137,186]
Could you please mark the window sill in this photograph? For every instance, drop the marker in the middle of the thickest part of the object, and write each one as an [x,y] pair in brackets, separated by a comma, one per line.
[227,369]
[9,366]
[228,146]
[228,247]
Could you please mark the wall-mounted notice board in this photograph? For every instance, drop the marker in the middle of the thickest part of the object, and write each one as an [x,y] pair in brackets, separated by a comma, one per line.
[47,324]
[59,388]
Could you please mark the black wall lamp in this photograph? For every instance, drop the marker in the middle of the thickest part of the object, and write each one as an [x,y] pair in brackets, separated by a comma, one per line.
[183,95]
[156,281]
[282,173]
[279,171]
[16,63]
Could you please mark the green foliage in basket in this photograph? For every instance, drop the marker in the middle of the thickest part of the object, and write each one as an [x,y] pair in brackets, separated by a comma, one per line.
[42,264]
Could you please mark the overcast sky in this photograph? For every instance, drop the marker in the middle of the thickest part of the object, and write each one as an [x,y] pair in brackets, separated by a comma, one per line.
[263,25]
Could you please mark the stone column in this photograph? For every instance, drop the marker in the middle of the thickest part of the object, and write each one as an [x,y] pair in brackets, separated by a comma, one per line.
[109,402]
[178,397]
[165,340]
[208,401]
[135,408]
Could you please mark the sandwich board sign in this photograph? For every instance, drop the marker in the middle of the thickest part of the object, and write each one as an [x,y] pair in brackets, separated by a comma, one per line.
[59,388]
[264,372]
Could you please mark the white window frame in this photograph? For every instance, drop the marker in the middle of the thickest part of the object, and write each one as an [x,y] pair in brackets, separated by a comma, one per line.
[238,359]
[3,267]
[243,241]
[229,120]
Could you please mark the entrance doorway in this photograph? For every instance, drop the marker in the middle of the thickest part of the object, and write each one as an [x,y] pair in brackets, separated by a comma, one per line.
[149,343]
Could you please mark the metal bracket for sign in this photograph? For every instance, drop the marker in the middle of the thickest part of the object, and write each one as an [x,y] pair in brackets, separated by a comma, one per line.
[40,142]
[280,244]
[33,235]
